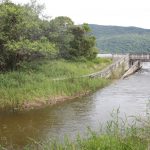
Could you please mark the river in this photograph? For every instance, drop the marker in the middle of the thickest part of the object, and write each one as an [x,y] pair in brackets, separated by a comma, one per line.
[129,95]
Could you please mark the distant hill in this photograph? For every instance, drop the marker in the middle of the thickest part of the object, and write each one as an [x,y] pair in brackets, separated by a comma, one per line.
[116,39]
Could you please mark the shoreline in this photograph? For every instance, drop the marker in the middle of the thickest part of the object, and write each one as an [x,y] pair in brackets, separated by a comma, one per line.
[26,106]
[46,82]
[52,101]
[71,89]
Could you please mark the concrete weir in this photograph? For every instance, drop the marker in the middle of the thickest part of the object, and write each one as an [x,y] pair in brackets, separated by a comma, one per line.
[135,67]
[135,60]
[121,62]
[130,63]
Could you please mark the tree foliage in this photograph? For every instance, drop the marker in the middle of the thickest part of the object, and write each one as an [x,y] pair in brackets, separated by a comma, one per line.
[24,32]
[60,34]
[20,33]
[82,44]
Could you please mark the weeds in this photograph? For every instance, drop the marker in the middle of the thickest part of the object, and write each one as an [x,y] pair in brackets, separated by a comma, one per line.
[37,81]
[117,135]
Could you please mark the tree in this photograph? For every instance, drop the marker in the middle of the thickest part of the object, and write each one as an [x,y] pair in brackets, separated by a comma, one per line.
[60,34]
[23,32]
[72,41]
[19,24]
[83,44]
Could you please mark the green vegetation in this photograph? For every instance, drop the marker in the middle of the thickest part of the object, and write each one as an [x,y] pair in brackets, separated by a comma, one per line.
[115,39]
[116,135]
[26,34]
[41,60]
[44,81]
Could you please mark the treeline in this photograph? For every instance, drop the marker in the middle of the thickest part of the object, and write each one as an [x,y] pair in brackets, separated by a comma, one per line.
[116,39]
[25,34]
[125,44]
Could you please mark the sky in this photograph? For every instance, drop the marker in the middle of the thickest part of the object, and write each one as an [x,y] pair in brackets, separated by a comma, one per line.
[102,12]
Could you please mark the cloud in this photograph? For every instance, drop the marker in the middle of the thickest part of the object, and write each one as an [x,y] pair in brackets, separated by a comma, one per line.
[108,12]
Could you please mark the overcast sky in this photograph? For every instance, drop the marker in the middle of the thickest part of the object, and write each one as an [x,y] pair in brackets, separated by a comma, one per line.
[102,12]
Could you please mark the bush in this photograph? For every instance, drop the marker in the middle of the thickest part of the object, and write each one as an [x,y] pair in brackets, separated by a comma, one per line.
[81,44]
[24,50]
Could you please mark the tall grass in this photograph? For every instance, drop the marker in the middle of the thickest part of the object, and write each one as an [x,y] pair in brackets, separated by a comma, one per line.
[63,68]
[116,135]
[35,81]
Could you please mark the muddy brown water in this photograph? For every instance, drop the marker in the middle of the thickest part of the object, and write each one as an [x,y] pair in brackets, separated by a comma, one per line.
[71,117]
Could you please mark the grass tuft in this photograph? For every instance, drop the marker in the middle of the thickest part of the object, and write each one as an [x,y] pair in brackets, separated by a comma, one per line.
[115,136]
[42,81]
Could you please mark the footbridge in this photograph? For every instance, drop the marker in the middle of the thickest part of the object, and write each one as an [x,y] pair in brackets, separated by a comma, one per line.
[141,57]
[131,62]
[132,57]
[135,60]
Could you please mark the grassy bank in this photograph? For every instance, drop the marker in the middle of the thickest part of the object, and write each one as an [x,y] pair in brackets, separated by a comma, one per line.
[116,135]
[35,83]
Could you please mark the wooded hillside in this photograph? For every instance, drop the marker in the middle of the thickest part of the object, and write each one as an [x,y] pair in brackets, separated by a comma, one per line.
[116,39]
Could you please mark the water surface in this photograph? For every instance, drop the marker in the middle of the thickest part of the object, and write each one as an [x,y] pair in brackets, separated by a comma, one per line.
[130,95]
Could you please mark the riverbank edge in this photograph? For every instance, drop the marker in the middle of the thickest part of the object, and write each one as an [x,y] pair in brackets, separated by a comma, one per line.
[44,102]
[54,100]
[37,104]
[115,75]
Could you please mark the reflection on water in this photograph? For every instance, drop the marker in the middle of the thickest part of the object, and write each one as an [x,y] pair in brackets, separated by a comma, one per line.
[130,95]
